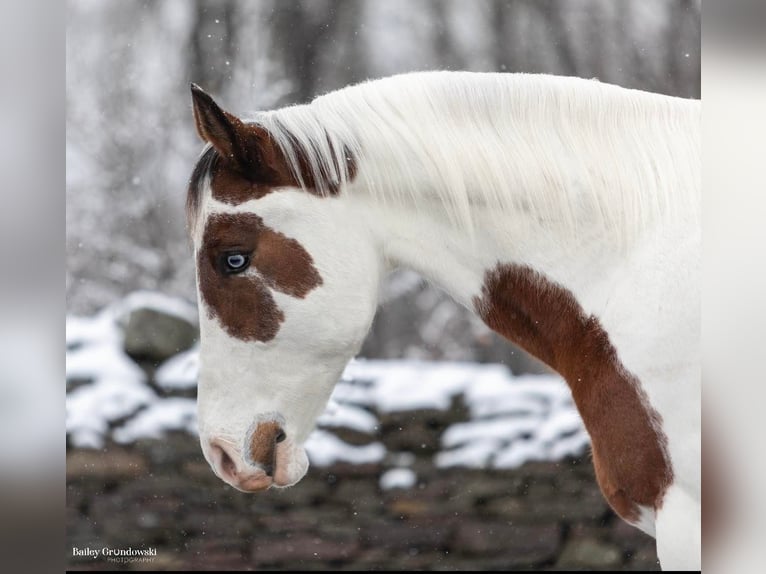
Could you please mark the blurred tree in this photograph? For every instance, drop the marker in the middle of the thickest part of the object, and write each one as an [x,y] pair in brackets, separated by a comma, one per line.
[558,25]
[683,48]
[443,41]
[213,41]
[502,14]
[303,33]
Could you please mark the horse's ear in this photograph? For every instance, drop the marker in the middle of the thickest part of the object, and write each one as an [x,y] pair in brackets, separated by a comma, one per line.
[230,136]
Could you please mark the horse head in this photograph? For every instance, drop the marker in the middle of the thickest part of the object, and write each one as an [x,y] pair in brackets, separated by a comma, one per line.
[287,279]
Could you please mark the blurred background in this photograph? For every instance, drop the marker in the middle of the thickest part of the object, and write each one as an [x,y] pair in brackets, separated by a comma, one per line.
[471,471]
[131,143]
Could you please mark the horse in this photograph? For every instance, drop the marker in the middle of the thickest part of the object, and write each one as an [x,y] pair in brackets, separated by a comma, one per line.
[564,212]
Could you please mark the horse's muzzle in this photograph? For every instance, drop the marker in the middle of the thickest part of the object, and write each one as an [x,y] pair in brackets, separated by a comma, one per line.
[230,468]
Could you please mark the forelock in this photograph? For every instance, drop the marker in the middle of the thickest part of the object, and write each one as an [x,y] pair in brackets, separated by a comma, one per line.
[201,174]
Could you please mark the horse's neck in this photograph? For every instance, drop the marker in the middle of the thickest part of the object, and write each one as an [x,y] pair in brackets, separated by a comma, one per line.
[458,259]
[548,297]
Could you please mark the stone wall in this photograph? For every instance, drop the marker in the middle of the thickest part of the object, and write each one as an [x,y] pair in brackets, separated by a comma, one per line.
[161,494]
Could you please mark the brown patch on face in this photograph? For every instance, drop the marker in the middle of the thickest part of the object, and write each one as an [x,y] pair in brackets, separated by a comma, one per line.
[235,182]
[285,265]
[263,445]
[248,163]
[232,184]
[542,317]
[241,302]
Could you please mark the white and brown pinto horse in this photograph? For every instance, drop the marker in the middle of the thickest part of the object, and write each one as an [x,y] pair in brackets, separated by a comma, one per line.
[564,212]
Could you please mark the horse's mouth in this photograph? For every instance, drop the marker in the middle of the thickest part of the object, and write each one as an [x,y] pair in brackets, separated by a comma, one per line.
[256,483]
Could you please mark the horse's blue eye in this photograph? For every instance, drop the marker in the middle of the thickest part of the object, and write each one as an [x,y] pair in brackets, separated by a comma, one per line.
[236,262]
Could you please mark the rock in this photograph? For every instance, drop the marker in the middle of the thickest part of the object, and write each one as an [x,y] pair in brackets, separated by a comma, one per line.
[162,493]
[227,553]
[77,496]
[311,491]
[341,527]
[218,525]
[437,488]
[413,560]
[198,469]
[403,535]
[436,419]
[538,469]
[153,335]
[153,487]
[345,469]
[629,537]
[168,561]
[359,495]
[525,544]
[142,520]
[419,431]
[80,533]
[415,437]
[295,550]
[555,507]
[482,486]
[284,524]
[104,465]
[373,558]
[643,559]
[448,494]
[351,436]
[174,449]
[402,505]
[589,554]
[76,383]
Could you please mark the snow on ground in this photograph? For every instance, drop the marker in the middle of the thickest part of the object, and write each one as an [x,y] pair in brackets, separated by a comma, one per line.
[512,419]
[340,415]
[398,478]
[157,302]
[179,372]
[325,449]
[92,409]
[161,416]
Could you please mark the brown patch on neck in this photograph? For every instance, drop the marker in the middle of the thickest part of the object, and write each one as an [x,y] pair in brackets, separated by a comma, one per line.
[243,302]
[629,448]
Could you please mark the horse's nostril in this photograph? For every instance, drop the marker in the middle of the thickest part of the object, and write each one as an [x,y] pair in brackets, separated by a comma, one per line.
[228,466]
[222,461]
[244,475]
[280,436]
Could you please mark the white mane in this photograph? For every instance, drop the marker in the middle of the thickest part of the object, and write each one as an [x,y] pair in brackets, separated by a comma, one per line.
[576,153]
